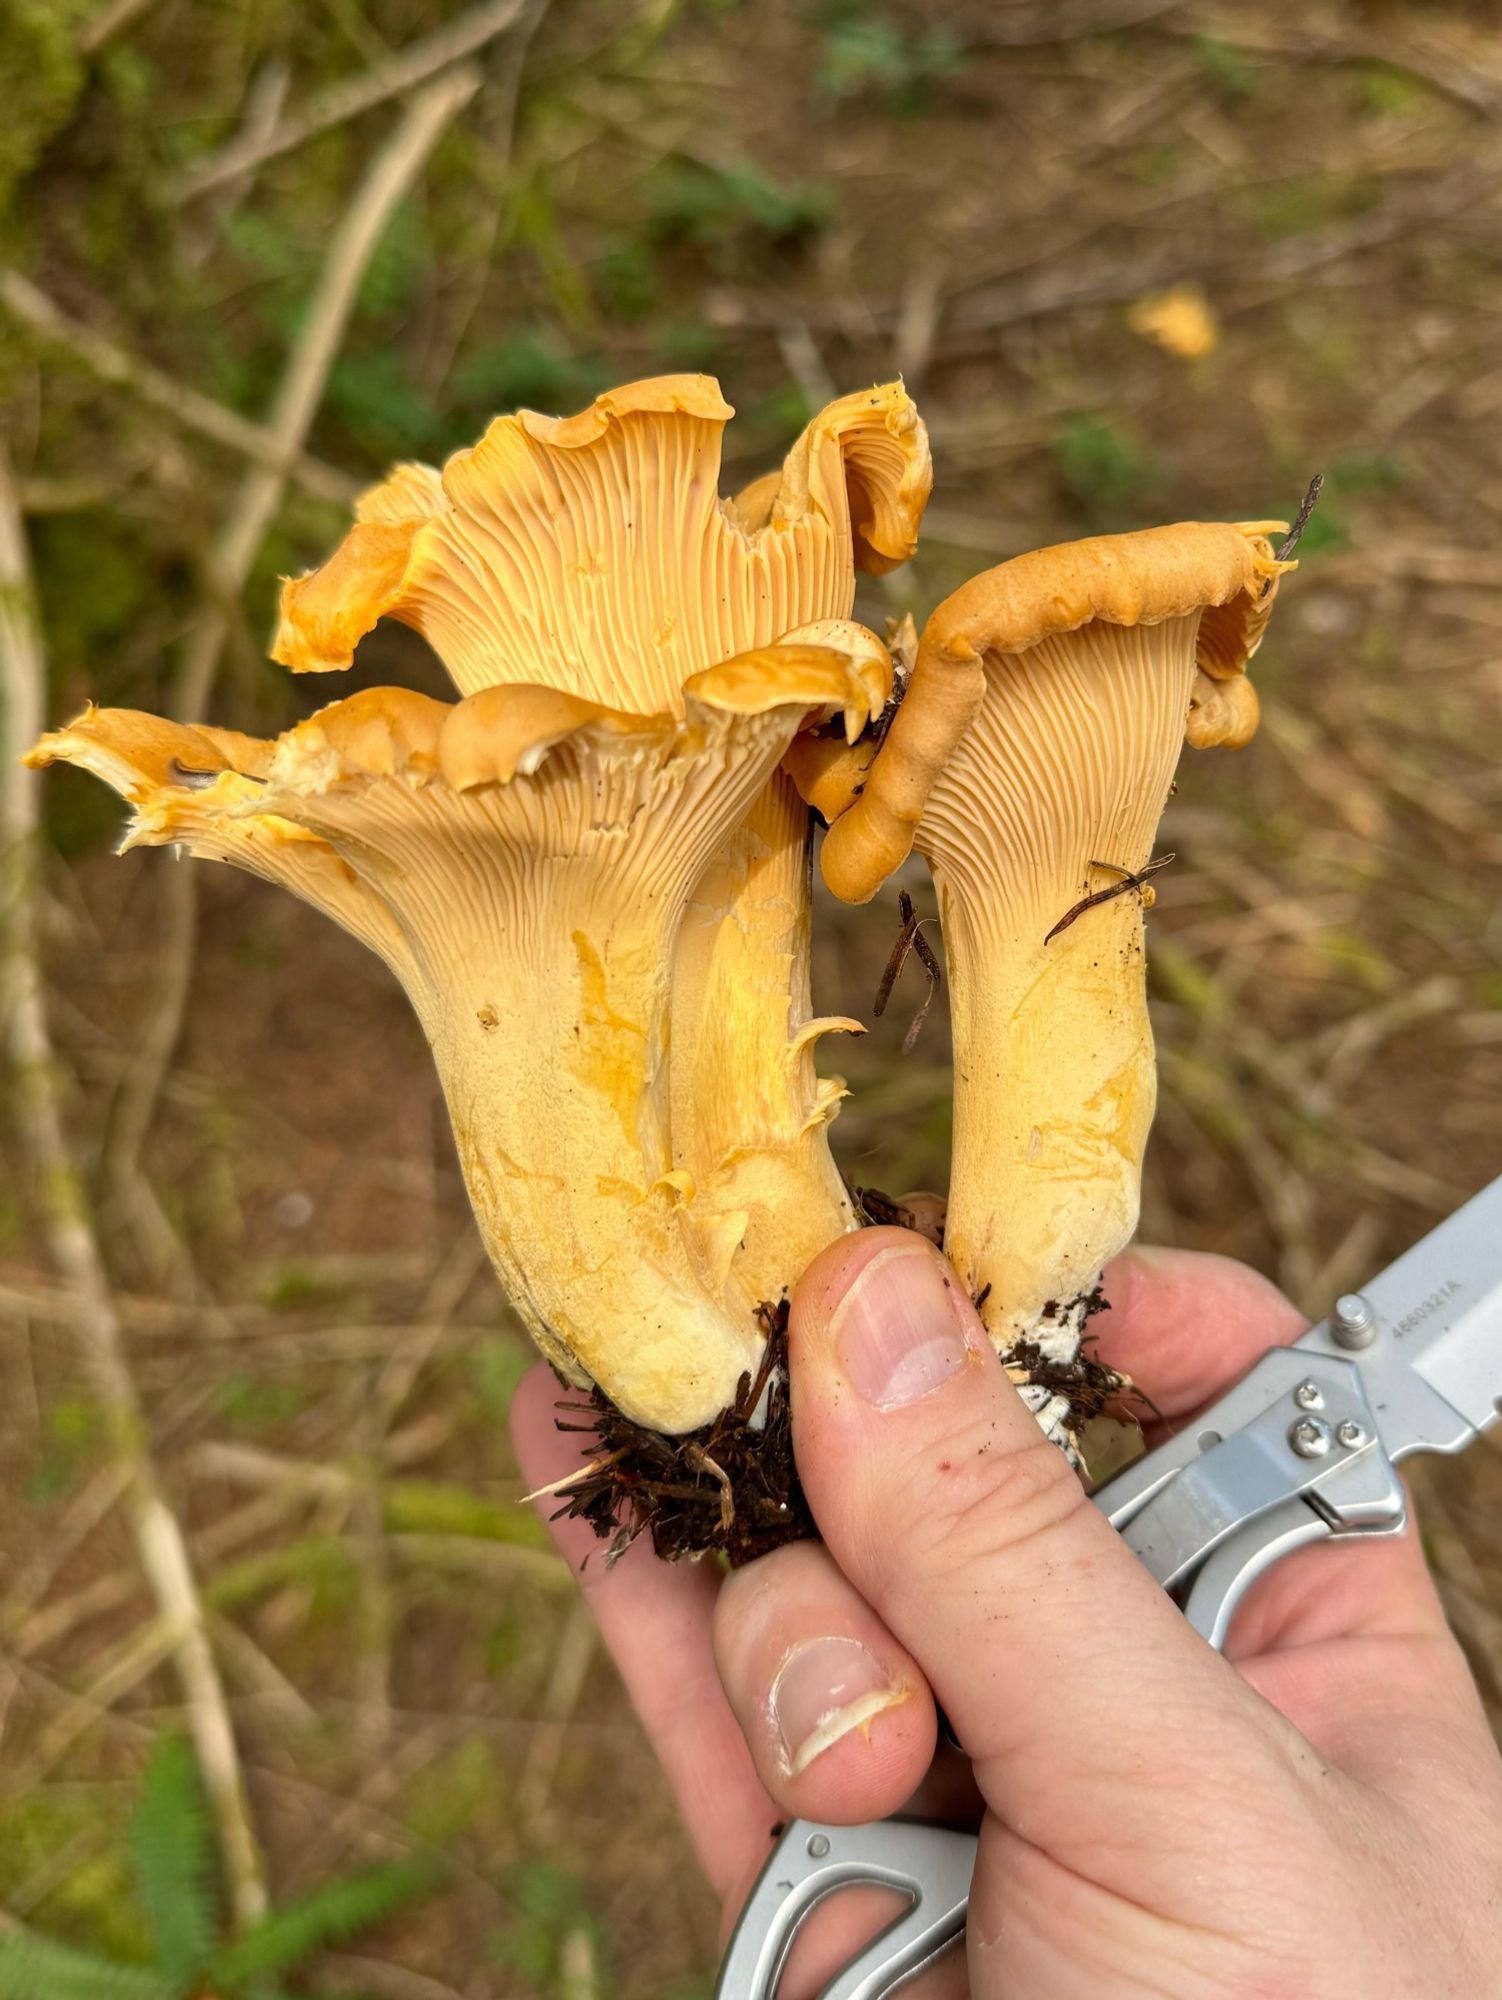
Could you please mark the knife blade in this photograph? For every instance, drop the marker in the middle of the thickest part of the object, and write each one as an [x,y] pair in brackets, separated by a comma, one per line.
[1431,1356]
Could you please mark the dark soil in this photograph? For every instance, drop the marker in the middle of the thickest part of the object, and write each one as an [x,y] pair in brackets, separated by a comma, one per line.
[730,1487]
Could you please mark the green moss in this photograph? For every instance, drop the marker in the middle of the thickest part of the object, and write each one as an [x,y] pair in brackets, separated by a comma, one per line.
[496,1366]
[97,580]
[1307,201]
[424,1507]
[1384,90]
[867,54]
[1102,463]
[531,369]
[1358,957]
[551,1906]
[1229,70]
[249,1405]
[41,78]
[712,207]
[94,1903]
[452,1792]
[322,1562]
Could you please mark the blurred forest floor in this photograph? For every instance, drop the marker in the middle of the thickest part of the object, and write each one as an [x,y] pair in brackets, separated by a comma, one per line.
[799,198]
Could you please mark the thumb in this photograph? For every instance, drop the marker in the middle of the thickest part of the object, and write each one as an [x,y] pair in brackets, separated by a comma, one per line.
[1069,1676]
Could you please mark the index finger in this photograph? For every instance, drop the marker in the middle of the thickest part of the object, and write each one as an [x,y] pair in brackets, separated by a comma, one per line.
[1186,1324]
[657,1619]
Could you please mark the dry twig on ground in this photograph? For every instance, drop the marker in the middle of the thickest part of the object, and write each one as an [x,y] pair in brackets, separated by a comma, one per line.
[110,23]
[407,69]
[32,309]
[250,515]
[70,1237]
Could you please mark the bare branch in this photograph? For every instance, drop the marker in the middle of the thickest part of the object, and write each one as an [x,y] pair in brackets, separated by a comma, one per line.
[1042,27]
[75,1251]
[407,69]
[1455,73]
[109,23]
[250,515]
[32,309]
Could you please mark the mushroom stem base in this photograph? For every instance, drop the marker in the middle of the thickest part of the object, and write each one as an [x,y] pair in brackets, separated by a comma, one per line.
[730,1486]
[1059,1379]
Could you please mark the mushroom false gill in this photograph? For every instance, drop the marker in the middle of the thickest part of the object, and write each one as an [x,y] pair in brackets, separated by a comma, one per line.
[596,555]
[1031,761]
[523,860]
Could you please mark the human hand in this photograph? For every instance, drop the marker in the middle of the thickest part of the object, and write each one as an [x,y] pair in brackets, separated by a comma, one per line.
[1318,1813]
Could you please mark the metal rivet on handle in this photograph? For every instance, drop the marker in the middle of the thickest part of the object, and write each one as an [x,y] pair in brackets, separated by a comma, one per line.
[1309,1437]
[1308,1396]
[1353,1323]
[818,1846]
[1350,1434]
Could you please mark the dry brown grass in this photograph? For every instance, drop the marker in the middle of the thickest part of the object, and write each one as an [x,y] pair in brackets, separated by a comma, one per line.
[322,1354]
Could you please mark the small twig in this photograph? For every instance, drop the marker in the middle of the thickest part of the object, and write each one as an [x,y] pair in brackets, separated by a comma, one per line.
[924,952]
[260,112]
[573,1657]
[496,118]
[918,311]
[407,69]
[110,23]
[158,1536]
[195,412]
[1106,278]
[585,1471]
[109,1593]
[1057,23]
[578,1967]
[1307,506]
[1130,879]
[910,939]
[806,365]
[1461,80]
[700,1459]
[410,1353]
[376,1621]
[83,1514]
[384,1981]
[77,1715]
[260,1673]
[250,516]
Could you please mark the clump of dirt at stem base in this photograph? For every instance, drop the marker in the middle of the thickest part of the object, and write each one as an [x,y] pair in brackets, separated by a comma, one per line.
[730,1487]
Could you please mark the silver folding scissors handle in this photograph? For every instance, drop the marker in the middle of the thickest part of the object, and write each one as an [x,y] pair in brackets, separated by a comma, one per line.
[1303,1448]
[928,1864]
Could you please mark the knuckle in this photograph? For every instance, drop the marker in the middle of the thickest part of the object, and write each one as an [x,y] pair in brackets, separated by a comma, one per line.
[981,1497]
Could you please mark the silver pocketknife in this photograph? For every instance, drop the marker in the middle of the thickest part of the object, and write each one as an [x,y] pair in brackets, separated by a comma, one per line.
[1304,1447]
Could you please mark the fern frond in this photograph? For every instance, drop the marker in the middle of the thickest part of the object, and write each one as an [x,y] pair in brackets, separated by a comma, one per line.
[38,1968]
[173,1849]
[333,1911]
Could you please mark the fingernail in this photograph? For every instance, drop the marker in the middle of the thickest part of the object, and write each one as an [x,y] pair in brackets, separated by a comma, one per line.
[898,1330]
[823,1690]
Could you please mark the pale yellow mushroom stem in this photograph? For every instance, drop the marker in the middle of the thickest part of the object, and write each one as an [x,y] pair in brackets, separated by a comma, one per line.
[1035,826]
[523,861]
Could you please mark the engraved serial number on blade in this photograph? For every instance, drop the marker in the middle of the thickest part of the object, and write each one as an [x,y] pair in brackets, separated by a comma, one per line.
[1435,1302]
